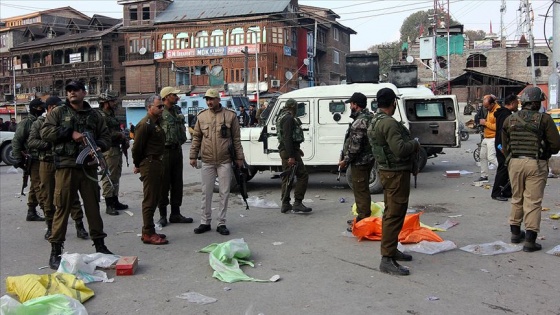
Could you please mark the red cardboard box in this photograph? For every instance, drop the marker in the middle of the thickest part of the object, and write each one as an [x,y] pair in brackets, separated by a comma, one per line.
[126,266]
[452,174]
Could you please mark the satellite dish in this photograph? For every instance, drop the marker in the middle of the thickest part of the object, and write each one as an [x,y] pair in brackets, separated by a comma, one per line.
[142,50]
[410,59]
[306,61]
[288,75]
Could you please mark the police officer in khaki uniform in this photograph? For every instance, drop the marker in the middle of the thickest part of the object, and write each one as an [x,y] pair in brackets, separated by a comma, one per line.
[47,172]
[147,154]
[64,128]
[172,183]
[358,154]
[393,149]
[290,136]
[19,147]
[529,138]
[107,106]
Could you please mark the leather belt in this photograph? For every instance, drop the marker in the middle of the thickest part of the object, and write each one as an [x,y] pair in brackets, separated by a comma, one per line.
[172,146]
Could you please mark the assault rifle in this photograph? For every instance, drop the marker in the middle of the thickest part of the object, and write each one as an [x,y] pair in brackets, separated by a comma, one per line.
[342,151]
[94,152]
[291,173]
[240,174]
[416,163]
[124,147]
[27,160]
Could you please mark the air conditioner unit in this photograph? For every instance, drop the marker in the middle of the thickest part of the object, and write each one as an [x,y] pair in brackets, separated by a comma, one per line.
[275,83]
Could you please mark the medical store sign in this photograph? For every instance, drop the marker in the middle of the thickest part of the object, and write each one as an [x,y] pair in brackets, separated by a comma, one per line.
[209,51]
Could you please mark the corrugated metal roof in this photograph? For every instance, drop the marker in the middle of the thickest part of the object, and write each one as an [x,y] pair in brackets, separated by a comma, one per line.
[185,10]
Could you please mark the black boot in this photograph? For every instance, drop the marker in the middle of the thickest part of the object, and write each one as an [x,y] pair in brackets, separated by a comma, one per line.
[80,230]
[162,216]
[49,230]
[100,247]
[516,234]
[110,203]
[32,215]
[56,251]
[118,205]
[530,242]
[389,265]
[177,217]
[300,207]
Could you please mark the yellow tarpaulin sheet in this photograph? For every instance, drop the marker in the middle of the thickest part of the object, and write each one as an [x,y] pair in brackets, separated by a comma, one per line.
[31,286]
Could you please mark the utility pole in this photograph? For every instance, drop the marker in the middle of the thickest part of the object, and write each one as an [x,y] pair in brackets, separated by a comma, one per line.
[434,55]
[528,13]
[554,79]
[502,13]
[245,70]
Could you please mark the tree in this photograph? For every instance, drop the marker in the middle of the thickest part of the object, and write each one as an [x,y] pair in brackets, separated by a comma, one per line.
[475,35]
[418,23]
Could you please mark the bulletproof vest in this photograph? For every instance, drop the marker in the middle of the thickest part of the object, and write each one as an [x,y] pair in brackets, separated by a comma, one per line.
[173,126]
[43,154]
[525,137]
[111,121]
[381,151]
[80,121]
[367,117]
[297,132]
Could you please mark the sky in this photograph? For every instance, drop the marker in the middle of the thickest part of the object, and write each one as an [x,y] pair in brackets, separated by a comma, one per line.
[375,21]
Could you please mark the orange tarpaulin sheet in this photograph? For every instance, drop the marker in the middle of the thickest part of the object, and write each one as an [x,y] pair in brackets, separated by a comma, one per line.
[371,228]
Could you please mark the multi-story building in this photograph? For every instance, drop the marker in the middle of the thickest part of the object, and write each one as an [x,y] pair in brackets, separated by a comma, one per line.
[258,46]
[48,49]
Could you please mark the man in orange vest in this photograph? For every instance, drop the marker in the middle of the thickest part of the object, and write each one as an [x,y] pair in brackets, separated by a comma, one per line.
[487,148]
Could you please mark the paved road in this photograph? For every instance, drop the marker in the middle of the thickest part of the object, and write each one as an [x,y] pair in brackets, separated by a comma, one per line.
[322,271]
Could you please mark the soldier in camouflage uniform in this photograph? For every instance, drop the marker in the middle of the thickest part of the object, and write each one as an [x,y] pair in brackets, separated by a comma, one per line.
[47,171]
[529,139]
[64,128]
[358,154]
[290,136]
[173,124]
[19,148]
[113,156]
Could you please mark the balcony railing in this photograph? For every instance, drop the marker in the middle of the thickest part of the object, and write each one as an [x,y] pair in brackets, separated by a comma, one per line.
[137,56]
[61,67]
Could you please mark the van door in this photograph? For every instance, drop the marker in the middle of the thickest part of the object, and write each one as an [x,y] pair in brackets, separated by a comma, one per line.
[433,120]
[304,114]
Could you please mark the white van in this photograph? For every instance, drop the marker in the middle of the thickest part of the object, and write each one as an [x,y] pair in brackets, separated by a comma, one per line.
[325,118]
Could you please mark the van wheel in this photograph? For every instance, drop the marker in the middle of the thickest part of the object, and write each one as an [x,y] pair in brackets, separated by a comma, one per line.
[375,186]
[7,155]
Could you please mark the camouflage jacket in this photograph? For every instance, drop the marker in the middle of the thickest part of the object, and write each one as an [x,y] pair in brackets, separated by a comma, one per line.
[113,125]
[36,143]
[357,149]
[19,142]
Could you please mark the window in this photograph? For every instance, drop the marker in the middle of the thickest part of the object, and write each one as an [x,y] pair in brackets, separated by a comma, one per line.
[133,14]
[336,57]
[253,35]
[277,35]
[335,34]
[167,42]
[476,61]
[237,37]
[429,110]
[133,45]
[541,60]
[217,38]
[182,41]
[146,13]
[3,40]
[201,39]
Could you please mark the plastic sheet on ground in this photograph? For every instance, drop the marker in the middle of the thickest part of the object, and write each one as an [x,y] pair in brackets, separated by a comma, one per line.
[371,228]
[555,251]
[426,247]
[32,286]
[445,225]
[257,202]
[46,305]
[225,258]
[376,209]
[12,170]
[84,265]
[197,298]
[494,248]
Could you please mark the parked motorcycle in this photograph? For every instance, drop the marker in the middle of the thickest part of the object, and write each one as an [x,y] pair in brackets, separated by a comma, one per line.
[463,131]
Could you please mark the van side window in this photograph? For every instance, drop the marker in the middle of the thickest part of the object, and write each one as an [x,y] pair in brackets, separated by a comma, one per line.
[195,103]
[429,110]
[373,106]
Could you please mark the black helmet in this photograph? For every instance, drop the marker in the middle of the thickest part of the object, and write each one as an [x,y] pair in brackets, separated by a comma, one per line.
[108,96]
[532,94]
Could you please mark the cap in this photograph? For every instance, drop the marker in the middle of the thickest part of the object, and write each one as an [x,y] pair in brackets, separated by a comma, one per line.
[168,90]
[212,93]
[53,100]
[386,97]
[73,85]
[359,99]
[291,103]
[108,96]
[532,94]
[36,103]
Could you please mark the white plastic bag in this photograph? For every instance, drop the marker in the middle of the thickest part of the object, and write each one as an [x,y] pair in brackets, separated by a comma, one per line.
[426,247]
[257,202]
[555,251]
[84,266]
[494,248]
[197,298]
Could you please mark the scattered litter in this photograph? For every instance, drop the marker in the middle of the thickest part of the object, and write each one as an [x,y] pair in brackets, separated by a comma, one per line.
[317,196]
[342,200]
[197,298]
[464,172]
[128,212]
[455,216]
[494,248]
[446,225]
[478,184]
[555,251]
[242,215]
[83,266]
[127,231]
[158,227]
[429,248]
[444,161]
[12,170]
[409,210]
[542,238]
[257,202]
[227,289]
[433,298]
[348,234]
[277,243]
[44,267]
[452,174]
[484,270]
[555,216]
[307,200]
[275,278]
[30,286]
[468,151]
[487,186]
[545,209]
[554,227]
[50,304]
